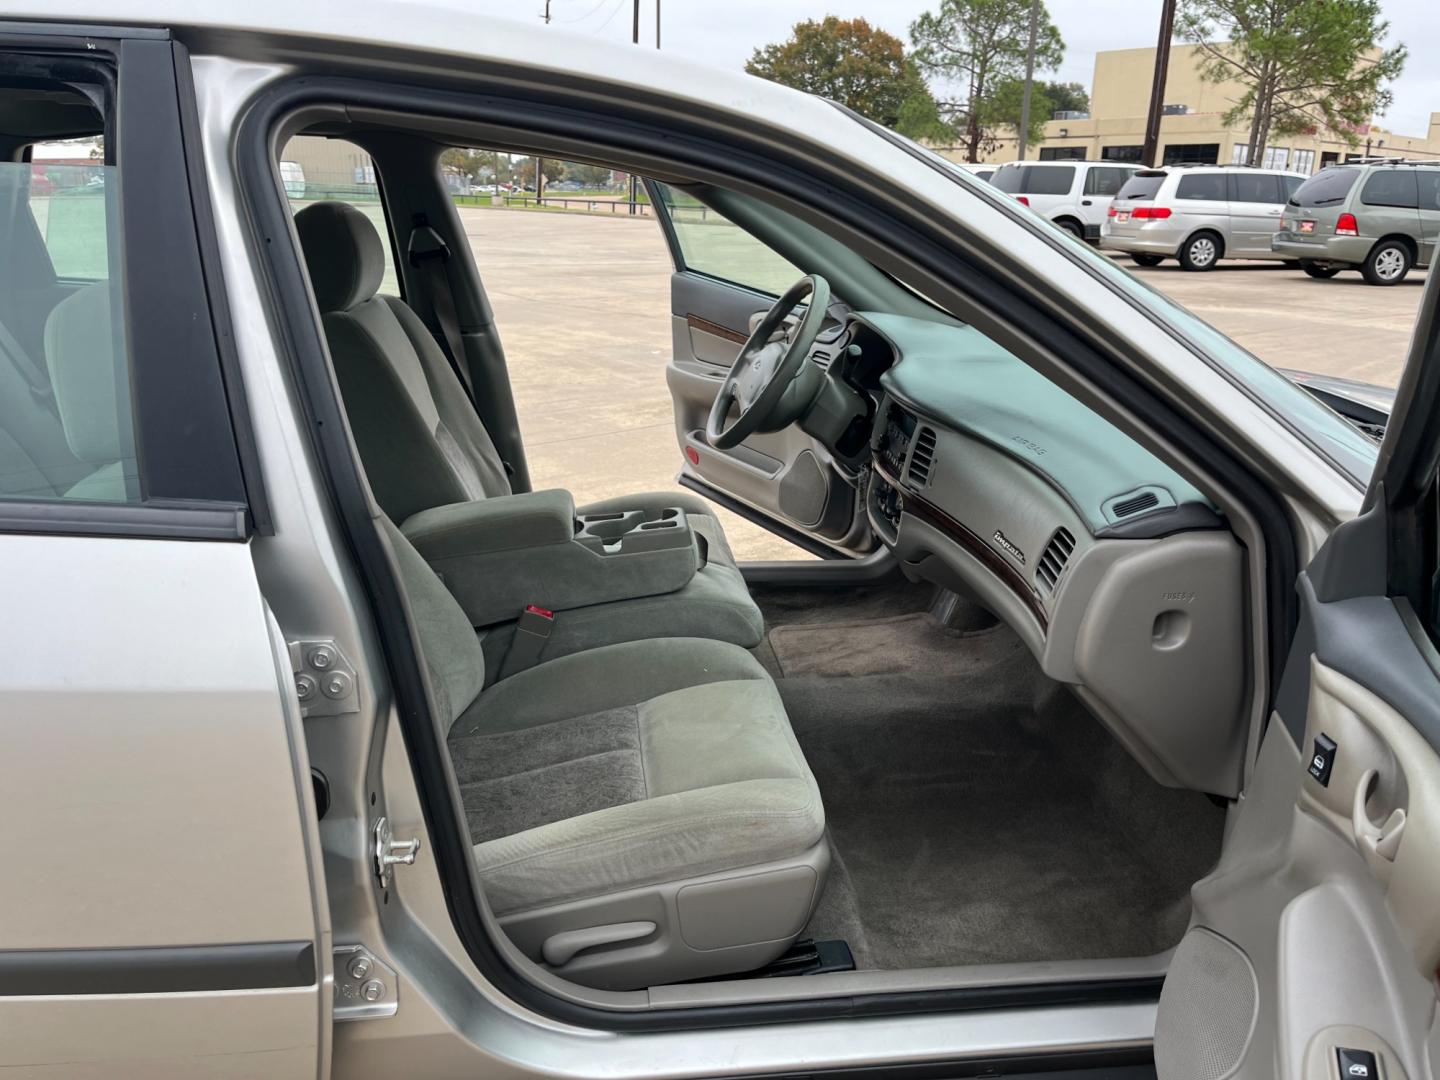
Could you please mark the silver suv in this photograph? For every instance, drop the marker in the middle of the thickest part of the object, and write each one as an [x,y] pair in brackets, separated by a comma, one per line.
[1380,218]
[1198,214]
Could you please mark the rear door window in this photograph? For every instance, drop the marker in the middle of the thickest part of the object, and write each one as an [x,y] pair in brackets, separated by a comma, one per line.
[1105,181]
[1255,188]
[1035,179]
[1391,187]
[1328,187]
[314,169]
[1428,182]
[1202,187]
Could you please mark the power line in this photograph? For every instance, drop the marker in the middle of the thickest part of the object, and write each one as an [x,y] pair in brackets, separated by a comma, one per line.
[611,17]
[587,14]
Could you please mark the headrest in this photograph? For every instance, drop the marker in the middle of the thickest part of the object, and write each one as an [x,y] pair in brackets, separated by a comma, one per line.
[86,370]
[343,252]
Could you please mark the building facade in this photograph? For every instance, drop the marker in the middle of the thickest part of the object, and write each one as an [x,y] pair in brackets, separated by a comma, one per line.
[1193,130]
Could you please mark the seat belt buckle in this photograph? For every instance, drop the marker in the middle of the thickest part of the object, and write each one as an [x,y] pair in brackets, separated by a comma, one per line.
[532,632]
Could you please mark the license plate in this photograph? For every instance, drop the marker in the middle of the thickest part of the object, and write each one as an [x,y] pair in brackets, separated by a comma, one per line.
[1307,226]
[1122,216]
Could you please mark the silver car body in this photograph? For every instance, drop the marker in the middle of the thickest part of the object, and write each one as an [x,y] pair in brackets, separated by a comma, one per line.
[1202,199]
[158,786]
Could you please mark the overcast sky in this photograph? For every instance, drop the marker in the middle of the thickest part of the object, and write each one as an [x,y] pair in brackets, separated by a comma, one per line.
[725,32]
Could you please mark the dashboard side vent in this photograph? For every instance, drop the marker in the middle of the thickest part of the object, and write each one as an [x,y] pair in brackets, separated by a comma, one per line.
[922,458]
[1135,504]
[1053,559]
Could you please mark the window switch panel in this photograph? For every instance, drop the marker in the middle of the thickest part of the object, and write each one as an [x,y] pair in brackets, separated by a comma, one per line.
[1322,759]
[1357,1064]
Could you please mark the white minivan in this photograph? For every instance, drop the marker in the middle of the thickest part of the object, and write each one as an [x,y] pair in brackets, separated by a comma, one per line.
[1075,195]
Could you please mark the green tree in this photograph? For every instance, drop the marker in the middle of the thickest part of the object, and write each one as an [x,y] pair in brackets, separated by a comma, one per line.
[978,48]
[1046,99]
[1302,64]
[856,64]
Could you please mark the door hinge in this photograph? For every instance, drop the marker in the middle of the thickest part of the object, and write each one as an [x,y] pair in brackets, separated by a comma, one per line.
[324,678]
[365,986]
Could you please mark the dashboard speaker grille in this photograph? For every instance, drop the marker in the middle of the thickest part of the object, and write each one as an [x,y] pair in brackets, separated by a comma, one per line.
[1053,559]
[922,458]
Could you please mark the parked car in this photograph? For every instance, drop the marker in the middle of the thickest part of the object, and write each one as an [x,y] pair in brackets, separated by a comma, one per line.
[1198,214]
[1075,195]
[1378,217]
[980,170]
[1103,742]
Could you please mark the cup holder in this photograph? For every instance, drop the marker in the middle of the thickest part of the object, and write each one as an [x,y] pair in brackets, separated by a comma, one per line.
[664,523]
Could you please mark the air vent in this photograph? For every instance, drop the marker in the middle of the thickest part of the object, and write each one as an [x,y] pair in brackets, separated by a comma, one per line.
[1135,504]
[1053,559]
[922,458]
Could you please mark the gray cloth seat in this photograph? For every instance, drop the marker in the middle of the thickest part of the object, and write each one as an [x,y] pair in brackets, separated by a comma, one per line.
[423,445]
[646,784]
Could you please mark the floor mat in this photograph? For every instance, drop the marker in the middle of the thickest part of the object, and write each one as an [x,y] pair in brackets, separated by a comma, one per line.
[977,812]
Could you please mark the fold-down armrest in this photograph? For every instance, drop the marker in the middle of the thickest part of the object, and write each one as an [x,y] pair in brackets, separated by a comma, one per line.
[501,554]
[502,523]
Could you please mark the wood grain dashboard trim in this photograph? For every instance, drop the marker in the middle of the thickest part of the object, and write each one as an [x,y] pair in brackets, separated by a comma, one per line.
[938,519]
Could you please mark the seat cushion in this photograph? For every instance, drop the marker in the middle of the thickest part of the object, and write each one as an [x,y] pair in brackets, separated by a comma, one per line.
[630,765]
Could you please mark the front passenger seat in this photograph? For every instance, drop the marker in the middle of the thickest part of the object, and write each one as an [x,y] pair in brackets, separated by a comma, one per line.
[423,446]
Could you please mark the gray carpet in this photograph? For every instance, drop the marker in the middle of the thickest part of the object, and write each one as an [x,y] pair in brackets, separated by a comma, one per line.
[978,814]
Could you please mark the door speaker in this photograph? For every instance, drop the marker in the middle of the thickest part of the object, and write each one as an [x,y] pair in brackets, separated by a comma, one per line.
[1207,1010]
[803,490]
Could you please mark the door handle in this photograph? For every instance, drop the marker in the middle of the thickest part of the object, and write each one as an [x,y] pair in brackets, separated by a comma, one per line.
[1086,202]
[1378,843]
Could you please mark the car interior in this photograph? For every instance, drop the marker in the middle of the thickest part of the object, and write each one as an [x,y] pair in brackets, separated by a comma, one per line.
[999,724]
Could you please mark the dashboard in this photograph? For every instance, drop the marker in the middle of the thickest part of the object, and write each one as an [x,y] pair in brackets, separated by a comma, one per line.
[984,477]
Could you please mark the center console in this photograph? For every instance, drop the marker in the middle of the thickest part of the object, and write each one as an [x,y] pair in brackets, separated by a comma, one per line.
[500,555]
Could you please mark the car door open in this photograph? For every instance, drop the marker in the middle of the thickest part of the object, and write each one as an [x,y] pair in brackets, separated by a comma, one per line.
[1313,946]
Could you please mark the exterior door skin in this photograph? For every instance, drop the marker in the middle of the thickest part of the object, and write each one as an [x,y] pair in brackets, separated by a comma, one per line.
[164,912]
[1314,944]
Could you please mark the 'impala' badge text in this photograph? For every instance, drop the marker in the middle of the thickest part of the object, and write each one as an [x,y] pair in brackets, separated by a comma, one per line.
[1009,547]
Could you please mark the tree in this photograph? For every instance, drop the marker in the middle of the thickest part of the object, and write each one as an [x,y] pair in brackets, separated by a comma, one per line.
[590,176]
[1046,99]
[978,47]
[1303,64]
[858,65]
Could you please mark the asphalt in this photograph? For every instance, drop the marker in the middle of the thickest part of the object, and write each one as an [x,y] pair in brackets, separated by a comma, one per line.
[583,307]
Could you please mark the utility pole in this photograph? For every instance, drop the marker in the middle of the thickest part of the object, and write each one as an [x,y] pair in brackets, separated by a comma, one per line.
[635,40]
[1029,82]
[657,24]
[1157,86]
[540,161]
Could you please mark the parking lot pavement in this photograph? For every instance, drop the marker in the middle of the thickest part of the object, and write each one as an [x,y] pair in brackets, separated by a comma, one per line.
[583,308]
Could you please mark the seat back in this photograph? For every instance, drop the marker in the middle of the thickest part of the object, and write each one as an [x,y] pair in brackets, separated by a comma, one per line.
[419,438]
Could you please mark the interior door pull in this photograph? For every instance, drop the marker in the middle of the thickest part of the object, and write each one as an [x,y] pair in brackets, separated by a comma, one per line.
[1376,842]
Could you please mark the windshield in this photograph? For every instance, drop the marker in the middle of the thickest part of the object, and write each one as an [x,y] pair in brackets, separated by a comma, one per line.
[1141,186]
[1326,430]
[1326,188]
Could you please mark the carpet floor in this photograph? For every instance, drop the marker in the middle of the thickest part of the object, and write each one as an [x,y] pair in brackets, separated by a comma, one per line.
[977,812]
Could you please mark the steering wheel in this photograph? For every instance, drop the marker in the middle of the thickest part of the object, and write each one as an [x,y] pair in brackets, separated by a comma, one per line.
[770,380]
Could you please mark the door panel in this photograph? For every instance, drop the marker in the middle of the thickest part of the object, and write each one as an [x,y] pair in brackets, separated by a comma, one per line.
[784,477]
[163,913]
[1320,928]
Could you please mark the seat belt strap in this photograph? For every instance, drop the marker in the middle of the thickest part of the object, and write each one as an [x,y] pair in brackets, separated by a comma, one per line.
[532,632]
[429,254]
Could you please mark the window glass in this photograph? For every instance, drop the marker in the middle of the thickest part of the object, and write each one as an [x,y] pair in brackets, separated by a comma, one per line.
[1049,180]
[1428,181]
[313,169]
[67,430]
[1239,153]
[1141,185]
[1292,184]
[1328,187]
[1122,153]
[1251,187]
[1105,181]
[1192,154]
[1390,187]
[1276,157]
[1202,186]
[713,244]
[1062,153]
[1303,161]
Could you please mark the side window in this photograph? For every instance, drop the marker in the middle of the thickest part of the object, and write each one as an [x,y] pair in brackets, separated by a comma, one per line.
[1050,179]
[1428,182]
[314,169]
[1201,186]
[112,381]
[1292,185]
[1391,187]
[1105,182]
[712,244]
[1255,188]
